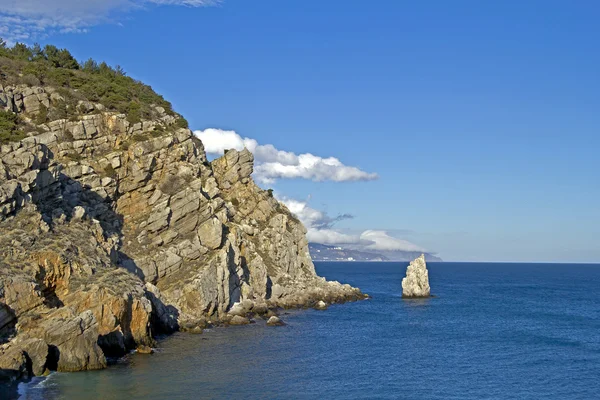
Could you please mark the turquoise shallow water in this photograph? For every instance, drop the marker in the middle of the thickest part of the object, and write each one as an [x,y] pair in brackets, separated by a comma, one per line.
[493,331]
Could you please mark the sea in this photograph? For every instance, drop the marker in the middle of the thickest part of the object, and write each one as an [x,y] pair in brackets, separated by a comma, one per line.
[492,331]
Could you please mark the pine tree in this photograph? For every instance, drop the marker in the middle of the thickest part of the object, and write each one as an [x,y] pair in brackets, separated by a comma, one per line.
[90,66]
[37,54]
[60,58]
[20,51]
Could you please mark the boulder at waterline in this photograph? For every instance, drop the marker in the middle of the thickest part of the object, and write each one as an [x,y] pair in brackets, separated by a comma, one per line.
[275,321]
[237,320]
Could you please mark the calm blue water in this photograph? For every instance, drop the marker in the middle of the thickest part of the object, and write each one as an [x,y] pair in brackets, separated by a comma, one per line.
[494,331]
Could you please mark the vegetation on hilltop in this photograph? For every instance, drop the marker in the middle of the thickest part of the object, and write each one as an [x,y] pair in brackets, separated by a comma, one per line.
[89,80]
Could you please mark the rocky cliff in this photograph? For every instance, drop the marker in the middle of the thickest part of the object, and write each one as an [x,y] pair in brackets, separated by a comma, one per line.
[112,232]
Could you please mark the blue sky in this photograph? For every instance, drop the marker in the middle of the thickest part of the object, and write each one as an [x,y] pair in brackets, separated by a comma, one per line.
[479,118]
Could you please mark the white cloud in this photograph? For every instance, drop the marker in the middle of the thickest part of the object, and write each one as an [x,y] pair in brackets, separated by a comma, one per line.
[28,19]
[216,140]
[380,240]
[272,164]
[320,229]
[318,224]
[331,237]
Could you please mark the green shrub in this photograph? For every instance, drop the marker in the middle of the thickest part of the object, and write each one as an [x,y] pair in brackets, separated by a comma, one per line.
[42,115]
[134,113]
[138,138]
[82,109]
[58,110]
[181,123]
[59,77]
[68,136]
[109,171]
[39,70]
[73,156]
[172,185]
[8,127]
[30,80]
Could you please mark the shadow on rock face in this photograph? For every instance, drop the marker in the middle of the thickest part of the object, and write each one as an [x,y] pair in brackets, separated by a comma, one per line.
[52,358]
[63,199]
[8,321]
[58,202]
[164,318]
[69,199]
[9,389]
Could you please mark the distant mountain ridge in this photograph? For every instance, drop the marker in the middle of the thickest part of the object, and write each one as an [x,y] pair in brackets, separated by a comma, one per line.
[322,252]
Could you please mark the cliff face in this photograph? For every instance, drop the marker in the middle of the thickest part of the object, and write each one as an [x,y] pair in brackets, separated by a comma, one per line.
[112,232]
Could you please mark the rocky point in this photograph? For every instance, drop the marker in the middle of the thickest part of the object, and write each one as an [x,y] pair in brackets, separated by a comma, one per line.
[113,232]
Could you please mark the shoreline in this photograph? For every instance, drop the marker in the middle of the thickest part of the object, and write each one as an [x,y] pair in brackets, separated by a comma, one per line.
[15,388]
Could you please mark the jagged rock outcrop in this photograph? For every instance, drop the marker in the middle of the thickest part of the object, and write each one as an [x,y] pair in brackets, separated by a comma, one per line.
[113,232]
[416,282]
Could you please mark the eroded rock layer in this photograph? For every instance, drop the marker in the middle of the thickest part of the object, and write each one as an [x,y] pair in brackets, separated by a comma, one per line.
[112,232]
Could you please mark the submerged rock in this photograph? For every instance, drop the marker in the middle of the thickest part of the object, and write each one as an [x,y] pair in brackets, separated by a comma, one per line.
[145,349]
[275,321]
[321,305]
[238,309]
[260,309]
[237,320]
[416,282]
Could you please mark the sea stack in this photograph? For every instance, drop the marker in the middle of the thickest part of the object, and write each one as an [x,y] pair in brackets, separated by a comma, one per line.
[416,283]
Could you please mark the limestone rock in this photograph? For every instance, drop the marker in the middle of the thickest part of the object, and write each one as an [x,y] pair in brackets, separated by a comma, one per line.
[237,320]
[13,364]
[260,309]
[275,321]
[210,233]
[321,305]
[238,309]
[78,212]
[72,341]
[145,349]
[37,352]
[416,282]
